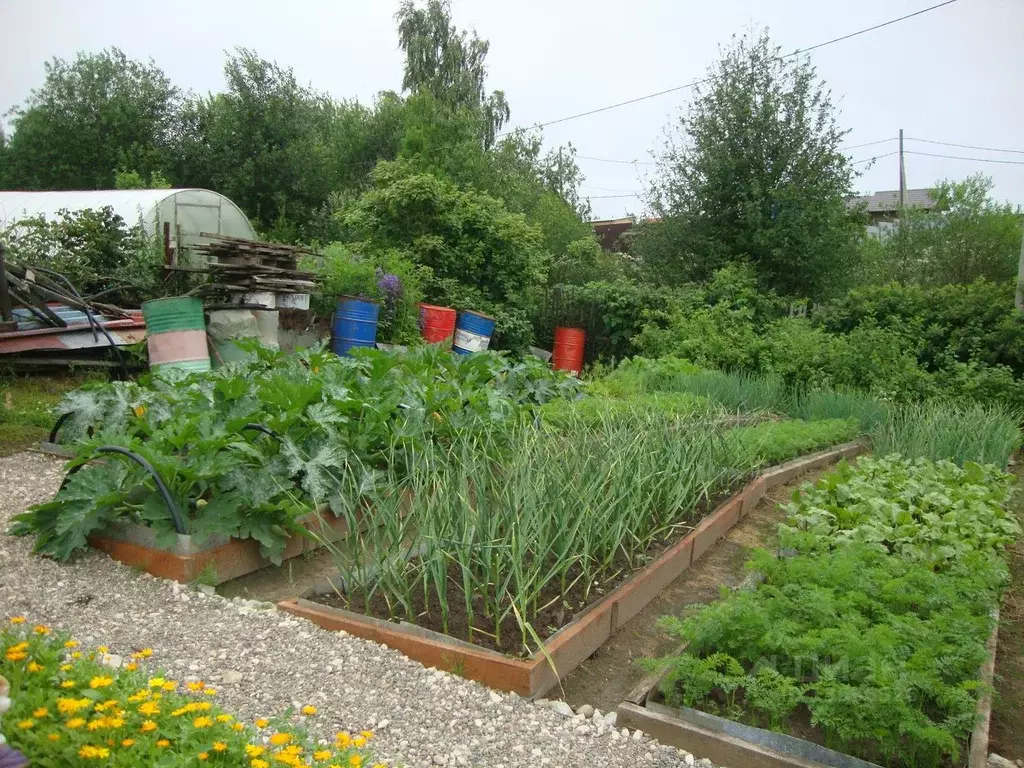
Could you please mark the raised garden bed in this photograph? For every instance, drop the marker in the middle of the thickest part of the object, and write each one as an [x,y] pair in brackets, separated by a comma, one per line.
[573,643]
[216,560]
[727,742]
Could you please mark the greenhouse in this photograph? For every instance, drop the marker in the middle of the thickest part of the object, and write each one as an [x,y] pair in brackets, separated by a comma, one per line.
[186,212]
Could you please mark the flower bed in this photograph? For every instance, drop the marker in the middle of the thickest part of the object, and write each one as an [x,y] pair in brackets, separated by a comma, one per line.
[70,709]
[870,636]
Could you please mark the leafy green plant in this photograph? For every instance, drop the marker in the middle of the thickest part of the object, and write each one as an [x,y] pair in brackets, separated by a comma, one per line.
[335,423]
[772,442]
[932,512]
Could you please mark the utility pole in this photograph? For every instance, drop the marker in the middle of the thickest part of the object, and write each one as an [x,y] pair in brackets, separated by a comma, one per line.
[903,178]
[1020,274]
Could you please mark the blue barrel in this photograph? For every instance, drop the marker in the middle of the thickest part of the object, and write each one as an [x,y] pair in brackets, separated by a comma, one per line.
[355,324]
[473,332]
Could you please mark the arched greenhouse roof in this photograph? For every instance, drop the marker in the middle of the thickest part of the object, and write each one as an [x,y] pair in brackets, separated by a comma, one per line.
[188,211]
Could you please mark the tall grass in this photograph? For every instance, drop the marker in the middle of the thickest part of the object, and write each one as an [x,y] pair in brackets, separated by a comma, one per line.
[735,391]
[868,410]
[941,430]
[560,510]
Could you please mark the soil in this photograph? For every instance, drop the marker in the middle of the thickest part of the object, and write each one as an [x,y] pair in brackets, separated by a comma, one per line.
[275,583]
[606,678]
[555,614]
[1006,737]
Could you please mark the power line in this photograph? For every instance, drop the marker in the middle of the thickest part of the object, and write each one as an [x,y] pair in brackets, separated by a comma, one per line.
[872,159]
[869,143]
[604,189]
[621,162]
[611,197]
[705,79]
[968,146]
[959,157]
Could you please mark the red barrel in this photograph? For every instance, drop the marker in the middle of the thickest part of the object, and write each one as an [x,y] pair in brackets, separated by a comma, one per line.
[568,352]
[437,324]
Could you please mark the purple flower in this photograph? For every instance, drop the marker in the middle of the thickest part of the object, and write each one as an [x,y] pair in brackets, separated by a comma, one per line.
[391,285]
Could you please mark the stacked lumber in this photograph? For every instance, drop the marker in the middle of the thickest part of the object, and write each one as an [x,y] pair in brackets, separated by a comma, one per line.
[247,266]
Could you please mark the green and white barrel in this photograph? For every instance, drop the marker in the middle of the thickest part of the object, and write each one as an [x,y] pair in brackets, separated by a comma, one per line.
[176,334]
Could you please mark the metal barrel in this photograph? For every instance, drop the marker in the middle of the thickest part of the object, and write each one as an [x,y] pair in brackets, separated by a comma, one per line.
[473,332]
[437,324]
[176,334]
[355,324]
[568,351]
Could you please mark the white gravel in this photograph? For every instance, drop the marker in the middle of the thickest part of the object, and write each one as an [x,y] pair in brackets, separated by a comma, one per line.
[264,661]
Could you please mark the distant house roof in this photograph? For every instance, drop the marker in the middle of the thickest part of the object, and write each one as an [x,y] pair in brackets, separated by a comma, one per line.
[888,201]
[608,231]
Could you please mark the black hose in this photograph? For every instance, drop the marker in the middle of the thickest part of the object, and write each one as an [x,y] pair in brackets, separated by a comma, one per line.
[260,428]
[56,427]
[179,523]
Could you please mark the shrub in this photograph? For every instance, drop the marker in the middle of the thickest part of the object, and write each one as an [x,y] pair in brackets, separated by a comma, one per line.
[387,277]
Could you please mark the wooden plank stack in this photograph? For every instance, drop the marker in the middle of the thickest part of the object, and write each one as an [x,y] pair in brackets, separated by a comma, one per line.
[248,266]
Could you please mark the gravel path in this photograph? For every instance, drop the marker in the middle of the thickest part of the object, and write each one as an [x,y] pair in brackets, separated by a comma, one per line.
[264,661]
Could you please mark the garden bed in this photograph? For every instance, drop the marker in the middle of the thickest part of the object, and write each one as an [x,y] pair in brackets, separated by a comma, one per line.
[727,742]
[573,643]
[216,560]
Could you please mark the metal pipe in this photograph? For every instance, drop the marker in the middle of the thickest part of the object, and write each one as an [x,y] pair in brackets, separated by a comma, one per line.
[172,507]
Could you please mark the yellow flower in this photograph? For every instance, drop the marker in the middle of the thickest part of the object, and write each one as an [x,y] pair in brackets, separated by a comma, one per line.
[89,751]
[53,736]
[68,684]
[102,649]
[149,708]
[156,682]
[342,739]
[252,750]
[203,756]
[355,761]
[379,765]
[359,741]
[257,763]
[287,758]
[238,727]
[22,646]
[262,722]
[33,667]
[163,743]
[75,722]
[366,734]
[70,706]
[66,667]
[202,722]
[198,685]
[322,754]
[170,685]
[76,654]
[147,726]
[219,746]
[115,722]
[145,653]
[101,682]
[42,629]
[224,718]
[41,712]
[210,691]
[13,655]
[131,666]
[26,724]
[140,410]
[309,710]
[17,619]
[127,742]
[95,725]
[138,696]
[71,644]
[280,739]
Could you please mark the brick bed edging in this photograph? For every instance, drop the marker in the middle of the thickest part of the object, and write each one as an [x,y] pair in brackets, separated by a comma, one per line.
[576,641]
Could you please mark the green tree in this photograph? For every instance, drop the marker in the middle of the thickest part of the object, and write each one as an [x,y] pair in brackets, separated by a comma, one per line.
[447,63]
[966,236]
[92,116]
[754,170]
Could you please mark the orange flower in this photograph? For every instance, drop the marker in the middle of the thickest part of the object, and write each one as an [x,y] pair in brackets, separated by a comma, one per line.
[42,629]
[163,743]
[280,739]
[127,742]
[219,746]
[203,756]
[147,726]
[308,710]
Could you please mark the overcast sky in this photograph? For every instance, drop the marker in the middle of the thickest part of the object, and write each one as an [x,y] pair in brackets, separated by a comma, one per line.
[955,74]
